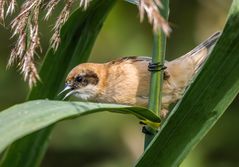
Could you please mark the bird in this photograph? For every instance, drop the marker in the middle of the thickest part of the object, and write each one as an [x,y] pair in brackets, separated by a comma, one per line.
[126,80]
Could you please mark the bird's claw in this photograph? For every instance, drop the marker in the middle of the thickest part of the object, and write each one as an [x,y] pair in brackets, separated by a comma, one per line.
[142,123]
[148,131]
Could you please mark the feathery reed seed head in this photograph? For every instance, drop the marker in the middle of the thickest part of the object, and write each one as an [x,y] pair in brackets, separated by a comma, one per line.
[151,7]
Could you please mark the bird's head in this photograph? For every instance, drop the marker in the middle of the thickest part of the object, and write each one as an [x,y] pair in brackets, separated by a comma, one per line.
[83,81]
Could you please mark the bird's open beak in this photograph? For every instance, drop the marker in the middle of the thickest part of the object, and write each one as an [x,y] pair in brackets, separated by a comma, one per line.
[67,87]
[64,90]
[68,94]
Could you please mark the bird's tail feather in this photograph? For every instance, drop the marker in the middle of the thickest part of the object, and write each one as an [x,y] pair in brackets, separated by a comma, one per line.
[207,44]
[201,52]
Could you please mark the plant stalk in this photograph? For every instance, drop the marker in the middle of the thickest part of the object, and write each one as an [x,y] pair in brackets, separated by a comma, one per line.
[156,82]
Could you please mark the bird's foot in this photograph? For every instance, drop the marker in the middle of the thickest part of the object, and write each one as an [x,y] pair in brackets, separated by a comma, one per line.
[148,130]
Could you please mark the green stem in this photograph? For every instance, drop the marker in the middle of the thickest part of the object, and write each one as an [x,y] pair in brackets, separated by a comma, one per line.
[156,82]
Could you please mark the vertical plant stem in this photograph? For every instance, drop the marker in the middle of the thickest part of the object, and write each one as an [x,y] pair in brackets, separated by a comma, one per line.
[156,83]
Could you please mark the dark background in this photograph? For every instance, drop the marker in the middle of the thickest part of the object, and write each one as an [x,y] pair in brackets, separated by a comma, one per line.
[114,140]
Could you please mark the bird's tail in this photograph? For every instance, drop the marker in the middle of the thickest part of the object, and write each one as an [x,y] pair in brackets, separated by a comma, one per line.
[201,52]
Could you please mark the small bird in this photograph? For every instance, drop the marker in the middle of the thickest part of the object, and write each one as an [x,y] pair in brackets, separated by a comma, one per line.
[126,80]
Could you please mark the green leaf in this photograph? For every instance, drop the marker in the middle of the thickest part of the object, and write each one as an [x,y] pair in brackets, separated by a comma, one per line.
[77,38]
[203,104]
[23,119]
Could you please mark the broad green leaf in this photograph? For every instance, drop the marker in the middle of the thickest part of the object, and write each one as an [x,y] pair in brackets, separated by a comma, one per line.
[23,119]
[203,104]
[77,38]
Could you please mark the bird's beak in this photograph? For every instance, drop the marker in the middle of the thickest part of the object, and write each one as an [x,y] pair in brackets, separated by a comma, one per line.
[68,94]
[67,87]
[64,90]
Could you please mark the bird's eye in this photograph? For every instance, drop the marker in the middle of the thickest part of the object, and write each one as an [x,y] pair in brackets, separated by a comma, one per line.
[78,78]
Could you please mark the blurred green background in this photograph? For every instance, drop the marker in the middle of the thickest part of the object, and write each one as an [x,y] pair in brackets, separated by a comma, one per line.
[113,140]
